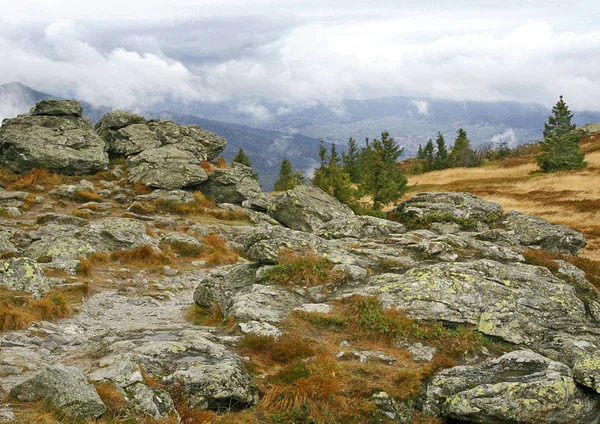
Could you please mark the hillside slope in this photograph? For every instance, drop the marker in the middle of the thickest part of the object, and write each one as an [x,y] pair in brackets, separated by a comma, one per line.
[569,198]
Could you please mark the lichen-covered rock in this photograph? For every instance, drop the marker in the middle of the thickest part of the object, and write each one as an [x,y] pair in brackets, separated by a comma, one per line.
[461,208]
[307,208]
[531,231]
[13,199]
[166,167]
[160,154]
[170,197]
[360,227]
[52,136]
[519,387]
[265,243]
[517,302]
[24,274]
[151,401]
[236,185]
[211,376]
[7,246]
[58,108]
[64,387]
[59,243]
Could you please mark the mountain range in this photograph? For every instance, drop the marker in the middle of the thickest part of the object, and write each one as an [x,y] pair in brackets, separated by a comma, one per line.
[269,130]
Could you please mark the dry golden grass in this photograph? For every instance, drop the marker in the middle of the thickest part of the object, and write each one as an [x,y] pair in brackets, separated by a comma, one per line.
[216,251]
[31,180]
[88,196]
[570,198]
[18,310]
[143,256]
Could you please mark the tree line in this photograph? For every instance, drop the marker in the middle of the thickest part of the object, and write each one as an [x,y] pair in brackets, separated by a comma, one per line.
[372,171]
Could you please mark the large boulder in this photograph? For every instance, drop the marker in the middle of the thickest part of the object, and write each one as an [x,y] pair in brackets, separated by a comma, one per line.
[519,387]
[166,167]
[360,227]
[160,154]
[463,208]
[534,232]
[25,275]
[65,388]
[53,136]
[57,242]
[307,208]
[519,303]
[210,375]
[236,185]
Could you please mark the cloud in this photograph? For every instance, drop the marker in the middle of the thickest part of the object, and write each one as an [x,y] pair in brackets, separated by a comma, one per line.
[301,52]
[507,136]
[422,106]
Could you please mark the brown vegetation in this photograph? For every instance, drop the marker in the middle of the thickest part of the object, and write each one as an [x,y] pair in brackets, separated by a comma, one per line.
[19,310]
[30,181]
[570,198]
[88,196]
[144,256]
[307,269]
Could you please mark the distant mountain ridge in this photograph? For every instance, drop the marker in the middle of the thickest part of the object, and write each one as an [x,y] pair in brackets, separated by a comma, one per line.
[266,148]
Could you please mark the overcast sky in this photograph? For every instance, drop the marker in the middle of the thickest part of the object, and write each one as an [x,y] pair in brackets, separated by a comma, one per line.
[134,53]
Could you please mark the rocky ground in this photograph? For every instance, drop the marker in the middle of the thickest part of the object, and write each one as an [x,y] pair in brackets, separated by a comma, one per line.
[128,295]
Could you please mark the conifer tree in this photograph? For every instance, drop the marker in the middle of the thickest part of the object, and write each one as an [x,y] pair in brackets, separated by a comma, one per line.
[441,155]
[331,178]
[420,153]
[560,148]
[382,179]
[351,160]
[428,156]
[244,159]
[288,177]
[461,153]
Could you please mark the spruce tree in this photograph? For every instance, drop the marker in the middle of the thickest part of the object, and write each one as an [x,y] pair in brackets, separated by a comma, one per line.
[383,180]
[331,178]
[244,159]
[560,148]
[461,154]
[288,177]
[428,156]
[441,155]
[351,160]
[420,153]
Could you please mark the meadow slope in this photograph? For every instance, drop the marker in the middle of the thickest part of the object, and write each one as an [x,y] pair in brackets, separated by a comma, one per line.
[570,198]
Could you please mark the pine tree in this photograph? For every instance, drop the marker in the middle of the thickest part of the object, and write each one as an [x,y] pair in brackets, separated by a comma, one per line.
[331,178]
[560,148]
[420,153]
[383,180]
[244,159]
[428,156]
[351,160]
[461,153]
[441,155]
[288,178]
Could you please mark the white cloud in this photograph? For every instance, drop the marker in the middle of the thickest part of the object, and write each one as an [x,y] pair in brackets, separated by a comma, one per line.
[497,51]
[507,136]
[422,106]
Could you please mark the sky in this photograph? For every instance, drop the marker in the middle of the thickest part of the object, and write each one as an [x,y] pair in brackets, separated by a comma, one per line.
[132,54]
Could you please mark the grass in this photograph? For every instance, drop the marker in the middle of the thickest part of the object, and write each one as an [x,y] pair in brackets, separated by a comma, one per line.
[31,180]
[144,256]
[300,380]
[212,316]
[88,196]
[18,310]
[216,251]
[570,198]
[590,267]
[306,269]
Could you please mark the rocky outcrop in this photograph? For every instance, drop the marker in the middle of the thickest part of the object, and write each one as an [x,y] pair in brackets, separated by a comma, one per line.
[57,242]
[24,275]
[160,154]
[53,136]
[462,208]
[360,227]
[65,388]
[236,185]
[307,208]
[519,387]
[531,231]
